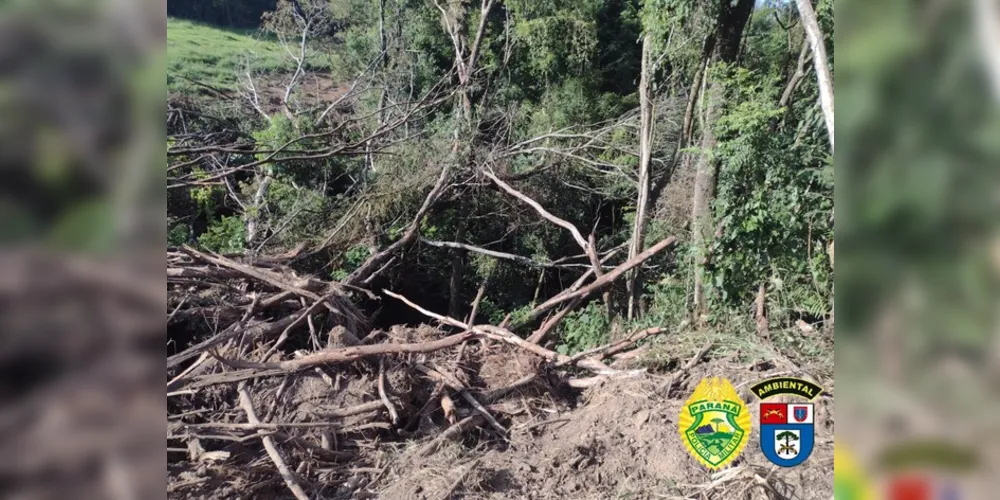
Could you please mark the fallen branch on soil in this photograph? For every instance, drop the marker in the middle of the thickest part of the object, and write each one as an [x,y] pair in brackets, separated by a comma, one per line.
[669,384]
[614,347]
[497,333]
[528,427]
[272,451]
[266,425]
[255,331]
[462,391]
[583,383]
[353,410]
[230,377]
[452,433]
[503,391]
[384,396]
[355,353]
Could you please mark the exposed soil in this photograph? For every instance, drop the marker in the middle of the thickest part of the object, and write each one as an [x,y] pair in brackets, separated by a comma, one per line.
[619,439]
[313,89]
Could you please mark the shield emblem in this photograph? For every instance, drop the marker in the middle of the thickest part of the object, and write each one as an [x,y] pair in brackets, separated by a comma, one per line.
[714,423]
[786,432]
[800,413]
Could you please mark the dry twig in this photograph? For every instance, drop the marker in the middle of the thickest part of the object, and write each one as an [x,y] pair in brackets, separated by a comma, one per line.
[272,450]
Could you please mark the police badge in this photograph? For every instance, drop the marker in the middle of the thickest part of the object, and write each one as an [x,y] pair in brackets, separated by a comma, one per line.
[786,429]
[714,423]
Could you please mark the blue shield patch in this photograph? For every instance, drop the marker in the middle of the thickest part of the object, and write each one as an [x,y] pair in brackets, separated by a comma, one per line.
[787,440]
[800,413]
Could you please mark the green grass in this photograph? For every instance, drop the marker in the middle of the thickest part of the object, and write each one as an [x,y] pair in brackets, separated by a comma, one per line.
[218,56]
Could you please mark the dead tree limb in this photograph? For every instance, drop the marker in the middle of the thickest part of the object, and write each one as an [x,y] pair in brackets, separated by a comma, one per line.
[298,319]
[257,330]
[541,211]
[539,335]
[503,335]
[272,450]
[665,388]
[600,282]
[451,433]
[588,246]
[375,262]
[354,353]
[462,391]
[609,349]
[384,395]
[231,377]
[353,410]
[585,382]
[492,253]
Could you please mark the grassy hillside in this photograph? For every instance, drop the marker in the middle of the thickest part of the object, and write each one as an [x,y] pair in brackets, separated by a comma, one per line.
[217,56]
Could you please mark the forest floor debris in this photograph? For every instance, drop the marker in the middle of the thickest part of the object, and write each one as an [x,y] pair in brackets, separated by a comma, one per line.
[262,403]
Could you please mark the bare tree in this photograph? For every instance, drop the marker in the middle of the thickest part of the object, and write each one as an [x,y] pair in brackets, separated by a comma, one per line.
[301,24]
[823,75]
[453,16]
[645,151]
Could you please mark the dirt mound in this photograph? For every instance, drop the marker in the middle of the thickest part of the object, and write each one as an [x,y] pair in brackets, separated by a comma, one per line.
[621,440]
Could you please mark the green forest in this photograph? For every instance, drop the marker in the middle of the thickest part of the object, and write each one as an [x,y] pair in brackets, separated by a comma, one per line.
[493,155]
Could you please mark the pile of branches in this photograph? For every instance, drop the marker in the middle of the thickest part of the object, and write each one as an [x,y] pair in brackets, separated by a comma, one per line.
[265,358]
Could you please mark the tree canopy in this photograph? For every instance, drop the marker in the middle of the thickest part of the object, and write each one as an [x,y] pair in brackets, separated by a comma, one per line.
[491,155]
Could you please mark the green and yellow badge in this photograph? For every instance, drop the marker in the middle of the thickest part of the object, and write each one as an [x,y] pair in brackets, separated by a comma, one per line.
[714,423]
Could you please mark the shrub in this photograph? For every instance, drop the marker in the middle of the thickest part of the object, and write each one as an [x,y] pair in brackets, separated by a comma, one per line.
[584,328]
[227,235]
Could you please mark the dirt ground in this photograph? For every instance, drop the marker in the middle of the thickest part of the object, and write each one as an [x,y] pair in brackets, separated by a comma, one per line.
[313,88]
[621,441]
[617,439]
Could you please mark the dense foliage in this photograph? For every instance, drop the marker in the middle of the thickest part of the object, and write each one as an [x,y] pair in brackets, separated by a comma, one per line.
[545,95]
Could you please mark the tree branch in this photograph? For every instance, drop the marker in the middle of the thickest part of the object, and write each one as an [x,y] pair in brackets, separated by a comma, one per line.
[541,211]
[272,450]
[600,282]
[374,263]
